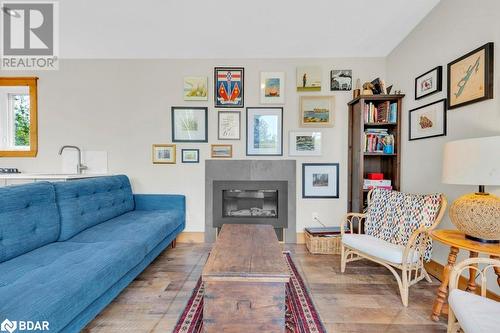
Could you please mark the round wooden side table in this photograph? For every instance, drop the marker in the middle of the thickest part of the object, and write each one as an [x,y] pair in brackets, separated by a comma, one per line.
[457,241]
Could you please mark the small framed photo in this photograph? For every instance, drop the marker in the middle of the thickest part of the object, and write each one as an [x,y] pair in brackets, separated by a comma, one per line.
[305,144]
[428,121]
[189,124]
[229,87]
[196,88]
[190,155]
[264,131]
[229,125]
[341,80]
[320,180]
[163,154]
[470,77]
[221,151]
[316,111]
[429,83]
[309,78]
[272,87]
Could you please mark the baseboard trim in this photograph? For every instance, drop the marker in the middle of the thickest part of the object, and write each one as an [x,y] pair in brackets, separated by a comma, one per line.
[436,270]
[191,237]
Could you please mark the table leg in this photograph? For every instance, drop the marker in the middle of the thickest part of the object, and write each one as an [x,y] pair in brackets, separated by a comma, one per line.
[471,286]
[443,288]
[497,269]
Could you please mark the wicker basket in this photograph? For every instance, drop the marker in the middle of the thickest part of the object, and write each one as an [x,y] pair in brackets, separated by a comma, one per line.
[322,244]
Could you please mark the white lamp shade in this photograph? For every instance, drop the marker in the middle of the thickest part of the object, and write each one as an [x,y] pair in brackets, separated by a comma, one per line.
[472,161]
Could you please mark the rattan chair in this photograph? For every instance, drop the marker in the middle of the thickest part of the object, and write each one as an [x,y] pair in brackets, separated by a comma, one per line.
[470,312]
[394,237]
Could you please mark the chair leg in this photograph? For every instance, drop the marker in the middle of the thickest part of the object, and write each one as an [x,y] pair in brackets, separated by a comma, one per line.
[342,259]
[426,275]
[404,287]
[452,327]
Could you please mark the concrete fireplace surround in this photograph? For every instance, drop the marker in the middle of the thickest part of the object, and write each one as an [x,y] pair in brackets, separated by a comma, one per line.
[277,170]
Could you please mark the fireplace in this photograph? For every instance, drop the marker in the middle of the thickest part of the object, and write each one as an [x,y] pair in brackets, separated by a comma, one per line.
[251,202]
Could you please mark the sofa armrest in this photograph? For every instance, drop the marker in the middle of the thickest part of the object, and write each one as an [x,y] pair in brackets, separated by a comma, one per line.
[160,202]
[349,220]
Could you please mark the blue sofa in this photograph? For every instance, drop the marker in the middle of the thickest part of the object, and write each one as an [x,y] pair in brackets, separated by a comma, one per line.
[67,249]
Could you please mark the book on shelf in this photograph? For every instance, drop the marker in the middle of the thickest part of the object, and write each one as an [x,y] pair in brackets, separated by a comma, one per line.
[368,184]
[375,139]
[384,112]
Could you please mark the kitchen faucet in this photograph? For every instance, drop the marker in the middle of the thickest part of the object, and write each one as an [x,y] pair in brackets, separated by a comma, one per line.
[80,167]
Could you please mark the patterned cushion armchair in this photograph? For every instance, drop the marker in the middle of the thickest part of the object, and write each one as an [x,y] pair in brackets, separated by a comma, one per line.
[396,234]
[469,312]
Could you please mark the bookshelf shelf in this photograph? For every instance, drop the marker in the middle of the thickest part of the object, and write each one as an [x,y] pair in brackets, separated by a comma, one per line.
[370,124]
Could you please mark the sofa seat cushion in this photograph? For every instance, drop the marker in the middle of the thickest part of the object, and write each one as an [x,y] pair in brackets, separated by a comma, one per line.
[376,247]
[58,281]
[475,313]
[88,202]
[148,228]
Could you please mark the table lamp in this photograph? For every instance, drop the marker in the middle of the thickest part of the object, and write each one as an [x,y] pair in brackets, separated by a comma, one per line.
[475,162]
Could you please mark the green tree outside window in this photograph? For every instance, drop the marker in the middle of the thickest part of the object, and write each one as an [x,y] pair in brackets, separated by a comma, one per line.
[21,106]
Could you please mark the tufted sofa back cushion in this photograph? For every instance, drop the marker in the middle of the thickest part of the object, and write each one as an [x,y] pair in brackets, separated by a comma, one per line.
[88,202]
[393,216]
[28,218]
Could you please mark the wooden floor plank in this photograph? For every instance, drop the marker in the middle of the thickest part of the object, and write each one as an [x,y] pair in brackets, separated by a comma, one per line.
[363,299]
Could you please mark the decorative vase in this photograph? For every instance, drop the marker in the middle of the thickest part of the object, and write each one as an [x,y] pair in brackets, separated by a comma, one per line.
[478,216]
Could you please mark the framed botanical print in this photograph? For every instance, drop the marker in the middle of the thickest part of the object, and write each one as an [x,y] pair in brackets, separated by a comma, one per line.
[189,124]
[264,131]
[470,77]
[229,125]
[305,143]
[196,88]
[163,154]
[429,83]
[340,80]
[190,155]
[221,151]
[428,121]
[316,111]
[272,87]
[229,87]
[309,78]
[320,180]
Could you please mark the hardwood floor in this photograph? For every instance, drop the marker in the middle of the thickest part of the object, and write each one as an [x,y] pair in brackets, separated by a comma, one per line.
[363,299]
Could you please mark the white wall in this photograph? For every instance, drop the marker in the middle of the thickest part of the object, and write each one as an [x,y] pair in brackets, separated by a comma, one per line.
[452,29]
[123,107]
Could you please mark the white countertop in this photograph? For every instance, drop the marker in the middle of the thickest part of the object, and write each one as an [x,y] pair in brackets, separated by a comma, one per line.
[47,176]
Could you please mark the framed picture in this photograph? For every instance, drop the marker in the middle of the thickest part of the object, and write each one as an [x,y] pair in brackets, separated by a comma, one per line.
[470,77]
[229,125]
[189,124]
[429,83]
[428,121]
[309,78]
[341,80]
[320,180]
[272,88]
[163,154]
[229,87]
[305,144]
[264,131]
[196,88]
[190,155]
[221,151]
[316,111]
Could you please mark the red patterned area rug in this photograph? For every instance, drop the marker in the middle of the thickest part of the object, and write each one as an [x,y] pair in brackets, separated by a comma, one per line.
[301,315]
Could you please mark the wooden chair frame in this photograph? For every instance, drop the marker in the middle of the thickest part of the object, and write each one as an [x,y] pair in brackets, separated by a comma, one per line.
[411,271]
[472,265]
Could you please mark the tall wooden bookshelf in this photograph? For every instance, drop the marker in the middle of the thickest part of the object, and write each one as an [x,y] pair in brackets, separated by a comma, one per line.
[360,162]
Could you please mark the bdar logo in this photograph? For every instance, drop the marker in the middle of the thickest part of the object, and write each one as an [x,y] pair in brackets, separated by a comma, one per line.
[8,326]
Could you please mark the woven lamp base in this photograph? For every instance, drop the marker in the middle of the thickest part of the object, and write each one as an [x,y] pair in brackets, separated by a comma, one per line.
[478,216]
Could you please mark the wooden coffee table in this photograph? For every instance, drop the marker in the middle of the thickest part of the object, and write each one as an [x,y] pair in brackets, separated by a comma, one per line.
[245,278]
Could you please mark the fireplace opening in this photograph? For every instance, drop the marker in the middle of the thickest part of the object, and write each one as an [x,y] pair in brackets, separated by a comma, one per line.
[245,203]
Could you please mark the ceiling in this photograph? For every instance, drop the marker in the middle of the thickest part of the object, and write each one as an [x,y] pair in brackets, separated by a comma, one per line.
[237,28]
